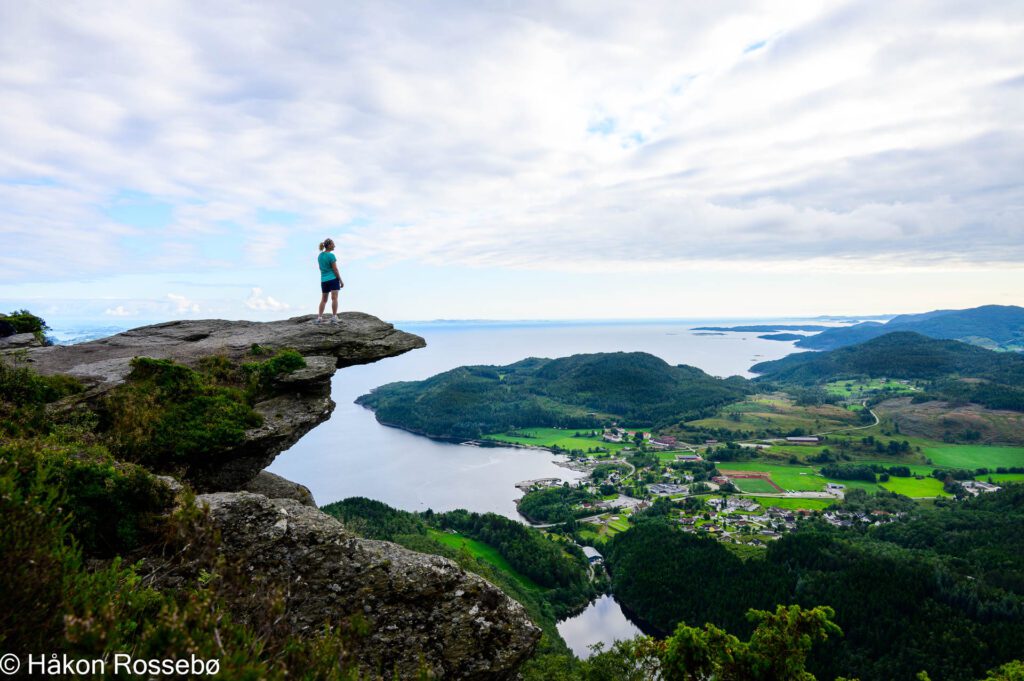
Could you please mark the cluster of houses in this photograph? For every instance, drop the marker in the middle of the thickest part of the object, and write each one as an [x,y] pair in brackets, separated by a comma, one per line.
[851,518]
[736,520]
[618,435]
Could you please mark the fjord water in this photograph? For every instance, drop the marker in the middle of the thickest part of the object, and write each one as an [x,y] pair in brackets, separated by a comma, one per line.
[353,455]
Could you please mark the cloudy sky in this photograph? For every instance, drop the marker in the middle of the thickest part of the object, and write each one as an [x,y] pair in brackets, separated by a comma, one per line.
[511,159]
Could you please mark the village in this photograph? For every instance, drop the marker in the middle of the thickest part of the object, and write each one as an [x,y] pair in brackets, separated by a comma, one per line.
[704,495]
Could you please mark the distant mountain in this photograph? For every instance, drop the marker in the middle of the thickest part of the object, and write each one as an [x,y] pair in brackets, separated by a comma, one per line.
[996,327]
[581,391]
[956,370]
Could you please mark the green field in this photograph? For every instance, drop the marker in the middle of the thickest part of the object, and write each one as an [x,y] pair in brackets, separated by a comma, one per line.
[1002,477]
[973,456]
[912,487]
[854,389]
[754,486]
[790,478]
[620,525]
[484,552]
[792,504]
[551,437]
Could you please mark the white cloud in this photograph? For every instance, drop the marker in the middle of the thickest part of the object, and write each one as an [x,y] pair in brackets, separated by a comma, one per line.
[876,135]
[257,301]
[119,311]
[182,304]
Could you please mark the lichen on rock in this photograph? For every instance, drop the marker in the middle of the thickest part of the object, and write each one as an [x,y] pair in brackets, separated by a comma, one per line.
[417,608]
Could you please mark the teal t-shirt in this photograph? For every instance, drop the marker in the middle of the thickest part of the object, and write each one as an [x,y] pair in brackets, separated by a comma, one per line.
[326,259]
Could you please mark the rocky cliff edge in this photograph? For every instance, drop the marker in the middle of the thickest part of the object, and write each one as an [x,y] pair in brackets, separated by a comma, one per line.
[420,611]
[299,401]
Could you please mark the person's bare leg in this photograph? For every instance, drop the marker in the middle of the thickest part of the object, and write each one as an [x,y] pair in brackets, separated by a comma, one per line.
[334,304]
[323,303]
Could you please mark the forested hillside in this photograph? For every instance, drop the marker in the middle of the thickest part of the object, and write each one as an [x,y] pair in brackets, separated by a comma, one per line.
[990,326]
[581,391]
[994,379]
[941,591]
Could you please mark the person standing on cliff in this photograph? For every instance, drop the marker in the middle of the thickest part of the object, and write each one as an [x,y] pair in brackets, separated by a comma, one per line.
[330,280]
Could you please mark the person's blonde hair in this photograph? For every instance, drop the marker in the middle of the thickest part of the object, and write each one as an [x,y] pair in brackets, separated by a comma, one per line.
[325,243]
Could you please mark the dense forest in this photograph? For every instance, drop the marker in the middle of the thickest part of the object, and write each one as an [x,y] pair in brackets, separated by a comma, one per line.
[582,391]
[555,504]
[942,590]
[999,376]
[991,326]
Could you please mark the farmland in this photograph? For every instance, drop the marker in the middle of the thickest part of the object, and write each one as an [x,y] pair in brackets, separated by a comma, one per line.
[912,487]
[974,456]
[557,437]
[775,413]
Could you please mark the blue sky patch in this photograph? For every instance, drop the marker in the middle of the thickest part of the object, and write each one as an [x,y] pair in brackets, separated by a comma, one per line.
[139,210]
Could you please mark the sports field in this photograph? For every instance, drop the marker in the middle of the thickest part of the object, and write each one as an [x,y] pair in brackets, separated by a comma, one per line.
[792,504]
[754,486]
[789,478]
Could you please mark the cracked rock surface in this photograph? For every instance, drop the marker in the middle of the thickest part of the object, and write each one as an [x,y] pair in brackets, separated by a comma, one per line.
[417,606]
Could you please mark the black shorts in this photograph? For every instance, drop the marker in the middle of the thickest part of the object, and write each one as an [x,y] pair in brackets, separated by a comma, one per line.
[330,285]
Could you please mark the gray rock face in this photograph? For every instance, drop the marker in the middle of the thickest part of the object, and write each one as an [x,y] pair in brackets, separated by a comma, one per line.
[417,606]
[19,341]
[358,339]
[275,487]
[301,400]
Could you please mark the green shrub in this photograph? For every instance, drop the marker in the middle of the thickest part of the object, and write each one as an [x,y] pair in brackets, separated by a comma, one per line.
[22,386]
[24,395]
[50,600]
[110,506]
[167,415]
[260,375]
[24,321]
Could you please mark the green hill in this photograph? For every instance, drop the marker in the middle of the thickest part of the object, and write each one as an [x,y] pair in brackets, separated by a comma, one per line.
[957,371]
[581,391]
[997,327]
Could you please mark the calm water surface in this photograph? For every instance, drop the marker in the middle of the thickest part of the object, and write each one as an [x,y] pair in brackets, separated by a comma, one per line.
[353,455]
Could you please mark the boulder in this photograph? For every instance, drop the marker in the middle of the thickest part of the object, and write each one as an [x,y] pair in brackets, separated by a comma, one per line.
[275,487]
[19,341]
[416,607]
